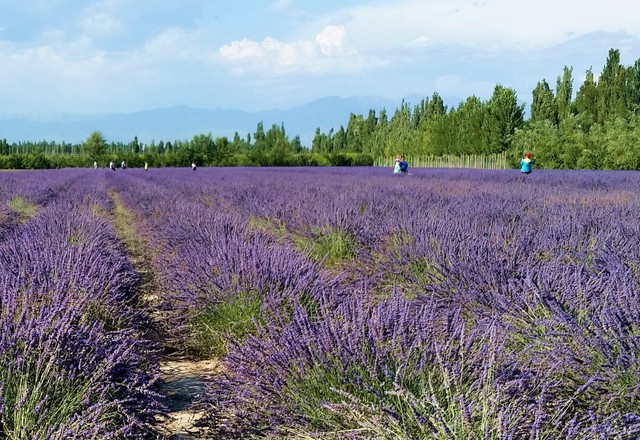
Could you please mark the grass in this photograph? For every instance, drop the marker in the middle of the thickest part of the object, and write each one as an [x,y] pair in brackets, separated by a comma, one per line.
[22,208]
[330,246]
[231,319]
[139,252]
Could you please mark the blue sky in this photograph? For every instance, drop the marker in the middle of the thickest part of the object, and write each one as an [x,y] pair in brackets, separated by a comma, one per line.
[93,57]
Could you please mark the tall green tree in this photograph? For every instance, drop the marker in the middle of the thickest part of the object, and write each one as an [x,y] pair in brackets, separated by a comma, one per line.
[504,116]
[633,87]
[204,146]
[587,101]
[435,107]
[338,142]
[544,106]
[319,144]
[277,141]
[402,138]
[356,133]
[135,145]
[564,93]
[612,89]
[469,119]
[259,138]
[95,146]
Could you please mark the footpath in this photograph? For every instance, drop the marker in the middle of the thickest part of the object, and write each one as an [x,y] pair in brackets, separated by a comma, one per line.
[182,379]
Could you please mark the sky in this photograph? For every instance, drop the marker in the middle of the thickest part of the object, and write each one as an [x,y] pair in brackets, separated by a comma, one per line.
[95,57]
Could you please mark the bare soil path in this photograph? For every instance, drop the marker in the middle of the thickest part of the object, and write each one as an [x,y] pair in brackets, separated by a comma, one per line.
[182,379]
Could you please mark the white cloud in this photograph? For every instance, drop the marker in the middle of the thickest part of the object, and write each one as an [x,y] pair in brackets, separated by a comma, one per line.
[101,18]
[328,52]
[242,50]
[270,56]
[330,40]
[490,24]
[289,8]
[177,44]
[367,37]
[57,64]
[99,52]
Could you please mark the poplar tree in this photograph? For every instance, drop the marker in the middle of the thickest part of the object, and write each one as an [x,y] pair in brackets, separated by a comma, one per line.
[587,101]
[564,93]
[543,106]
[504,116]
[633,87]
[612,99]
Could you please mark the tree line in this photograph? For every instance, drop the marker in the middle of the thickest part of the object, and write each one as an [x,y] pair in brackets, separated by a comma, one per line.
[270,147]
[597,127]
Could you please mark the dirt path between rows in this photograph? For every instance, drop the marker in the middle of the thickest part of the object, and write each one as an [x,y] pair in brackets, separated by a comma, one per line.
[182,380]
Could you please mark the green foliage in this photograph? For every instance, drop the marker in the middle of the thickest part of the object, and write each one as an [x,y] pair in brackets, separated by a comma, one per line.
[544,106]
[22,208]
[535,332]
[95,145]
[564,92]
[228,319]
[587,100]
[612,99]
[333,246]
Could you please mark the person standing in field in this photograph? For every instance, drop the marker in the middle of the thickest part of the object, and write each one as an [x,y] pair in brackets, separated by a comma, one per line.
[95,165]
[112,166]
[146,166]
[193,166]
[404,166]
[396,166]
[526,164]
[401,166]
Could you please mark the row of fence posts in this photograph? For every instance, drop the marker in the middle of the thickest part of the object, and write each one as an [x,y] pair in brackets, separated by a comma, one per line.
[492,161]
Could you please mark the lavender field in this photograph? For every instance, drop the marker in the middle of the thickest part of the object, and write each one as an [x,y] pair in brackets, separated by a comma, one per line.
[339,302]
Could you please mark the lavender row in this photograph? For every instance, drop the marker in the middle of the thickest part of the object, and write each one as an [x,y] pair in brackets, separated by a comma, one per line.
[207,256]
[24,193]
[72,362]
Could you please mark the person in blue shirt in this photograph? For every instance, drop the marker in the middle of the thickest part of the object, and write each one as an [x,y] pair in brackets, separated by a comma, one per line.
[526,164]
[401,166]
[404,166]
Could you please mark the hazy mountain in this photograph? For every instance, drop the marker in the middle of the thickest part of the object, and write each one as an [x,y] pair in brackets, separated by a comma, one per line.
[182,123]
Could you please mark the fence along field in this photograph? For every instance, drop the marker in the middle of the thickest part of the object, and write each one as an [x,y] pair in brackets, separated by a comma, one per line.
[341,302]
[498,161]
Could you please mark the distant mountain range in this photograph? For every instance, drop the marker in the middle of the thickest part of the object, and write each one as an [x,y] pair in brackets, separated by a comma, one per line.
[182,122]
